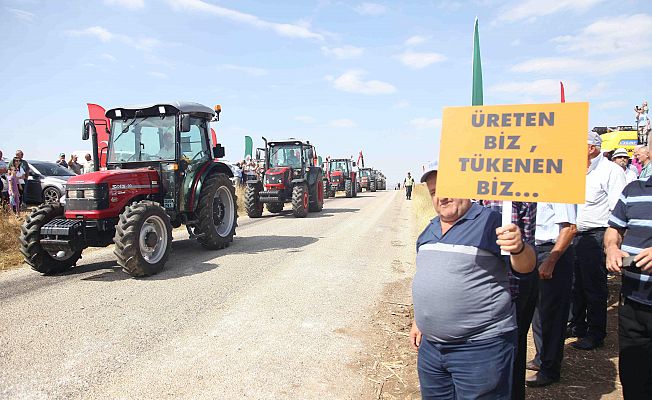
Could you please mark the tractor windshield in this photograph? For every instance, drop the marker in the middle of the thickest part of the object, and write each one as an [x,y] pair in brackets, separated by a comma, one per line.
[285,156]
[364,172]
[339,166]
[142,139]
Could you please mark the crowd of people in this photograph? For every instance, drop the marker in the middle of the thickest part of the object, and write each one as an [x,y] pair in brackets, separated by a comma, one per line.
[473,313]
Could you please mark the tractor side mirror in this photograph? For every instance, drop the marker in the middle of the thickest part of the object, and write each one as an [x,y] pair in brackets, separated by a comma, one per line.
[218,151]
[184,123]
[88,130]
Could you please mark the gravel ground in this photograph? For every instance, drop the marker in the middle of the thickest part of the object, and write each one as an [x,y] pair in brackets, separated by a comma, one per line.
[279,314]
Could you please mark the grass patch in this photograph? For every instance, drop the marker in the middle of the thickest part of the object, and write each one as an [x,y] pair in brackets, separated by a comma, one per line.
[240,194]
[10,256]
[422,206]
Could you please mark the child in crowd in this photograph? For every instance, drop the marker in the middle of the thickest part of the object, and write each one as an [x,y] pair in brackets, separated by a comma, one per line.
[14,193]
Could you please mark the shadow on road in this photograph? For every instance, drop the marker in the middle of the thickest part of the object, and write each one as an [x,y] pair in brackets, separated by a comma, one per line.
[326,212]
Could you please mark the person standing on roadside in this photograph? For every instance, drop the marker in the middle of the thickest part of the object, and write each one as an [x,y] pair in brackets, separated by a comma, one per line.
[464,324]
[3,178]
[621,158]
[555,230]
[604,183]
[88,165]
[642,154]
[14,189]
[74,166]
[25,172]
[628,244]
[408,183]
[62,160]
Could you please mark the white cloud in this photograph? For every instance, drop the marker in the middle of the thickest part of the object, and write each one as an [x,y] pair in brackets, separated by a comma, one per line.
[420,60]
[415,40]
[515,42]
[252,71]
[108,57]
[531,9]
[450,5]
[157,75]
[342,123]
[22,15]
[342,53]
[570,65]
[128,4]
[425,123]
[370,9]
[351,81]
[301,31]
[305,119]
[143,43]
[608,105]
[542,87]
[402,104]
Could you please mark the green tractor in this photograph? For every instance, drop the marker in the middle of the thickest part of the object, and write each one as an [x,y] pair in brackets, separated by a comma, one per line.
[161,172]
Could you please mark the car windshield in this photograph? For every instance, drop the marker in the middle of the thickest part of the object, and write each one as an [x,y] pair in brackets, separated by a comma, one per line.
[338,165]
[50,169]
[142,139]
[285,156]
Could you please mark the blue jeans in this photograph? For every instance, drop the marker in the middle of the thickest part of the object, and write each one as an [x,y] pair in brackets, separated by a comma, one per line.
[472,370]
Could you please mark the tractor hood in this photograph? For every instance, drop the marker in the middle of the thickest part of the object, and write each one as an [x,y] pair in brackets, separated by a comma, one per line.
[277,170]
[337,172]
[119,178]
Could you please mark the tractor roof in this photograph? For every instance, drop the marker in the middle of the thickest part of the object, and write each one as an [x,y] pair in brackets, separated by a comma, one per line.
[289,141]
[339,159]
[185,107]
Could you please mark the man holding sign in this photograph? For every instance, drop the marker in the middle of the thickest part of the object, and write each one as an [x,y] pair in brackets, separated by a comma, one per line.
[464,314]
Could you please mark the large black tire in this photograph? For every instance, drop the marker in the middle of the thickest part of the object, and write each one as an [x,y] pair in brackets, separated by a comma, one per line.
[349,187]
[356,189]
[327,189]
[253,206]
[143,237]
[275,207]
[30,242]
[317,196]
[372,186]
[300,200]
[217,212]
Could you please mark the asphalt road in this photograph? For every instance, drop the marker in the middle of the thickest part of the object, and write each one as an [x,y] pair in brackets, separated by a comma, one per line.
[279,314]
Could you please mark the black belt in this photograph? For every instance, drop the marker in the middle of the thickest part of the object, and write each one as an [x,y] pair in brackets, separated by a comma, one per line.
[546,244]
[592,230]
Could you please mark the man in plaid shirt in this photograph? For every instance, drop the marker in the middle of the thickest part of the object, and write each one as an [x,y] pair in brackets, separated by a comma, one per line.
[524,287]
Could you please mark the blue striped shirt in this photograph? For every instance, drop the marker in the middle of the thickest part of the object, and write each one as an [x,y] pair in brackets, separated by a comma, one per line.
[634,213]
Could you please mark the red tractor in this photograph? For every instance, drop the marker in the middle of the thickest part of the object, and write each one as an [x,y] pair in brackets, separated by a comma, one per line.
[341,177]
[291,174]
[161,172]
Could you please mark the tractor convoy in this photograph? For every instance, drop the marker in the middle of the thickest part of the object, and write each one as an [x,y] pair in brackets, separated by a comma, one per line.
[158,167]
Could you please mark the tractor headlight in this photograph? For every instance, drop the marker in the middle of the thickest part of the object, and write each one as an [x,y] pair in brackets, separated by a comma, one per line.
[71,194]
[91,194]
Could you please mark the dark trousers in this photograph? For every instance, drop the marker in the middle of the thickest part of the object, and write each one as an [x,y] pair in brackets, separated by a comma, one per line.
[472,370]
[525,305]
[408,192]
[590,293]
[549,327]
[635,342]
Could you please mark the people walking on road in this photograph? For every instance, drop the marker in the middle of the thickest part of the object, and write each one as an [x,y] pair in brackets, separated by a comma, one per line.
[628,244]
[604,183]
[464,314]
[74,166]
[554,233]
[621,158]
[88,164]
[642,154]
[62,160]
[408,183]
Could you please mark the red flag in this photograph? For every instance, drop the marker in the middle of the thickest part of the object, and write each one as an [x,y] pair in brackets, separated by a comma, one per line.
[361,158]
[563,97]
[103,125]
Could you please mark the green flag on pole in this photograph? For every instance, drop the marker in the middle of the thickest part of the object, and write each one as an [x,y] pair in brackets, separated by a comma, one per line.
[249,146]
[476,97]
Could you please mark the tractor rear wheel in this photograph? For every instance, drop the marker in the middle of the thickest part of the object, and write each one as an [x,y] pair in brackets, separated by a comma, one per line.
[143,238]
[300,200]
[275,207]
[317,197]
[30,242]
[217,212]
[253,206]
[372,186]
[348,188]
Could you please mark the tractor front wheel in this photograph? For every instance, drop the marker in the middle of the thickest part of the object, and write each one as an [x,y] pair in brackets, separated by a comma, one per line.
[30,242]
[217,212]
[300,200]
[143,238]
[253,206]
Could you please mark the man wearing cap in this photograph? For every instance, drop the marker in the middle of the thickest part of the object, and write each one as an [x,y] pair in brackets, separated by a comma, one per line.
[630,234]
[464,324]
[604,183]
[621,158]
[62,160]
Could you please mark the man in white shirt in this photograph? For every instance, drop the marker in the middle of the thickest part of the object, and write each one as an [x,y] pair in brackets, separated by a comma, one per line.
[621,158]
[88,164]
[605,182]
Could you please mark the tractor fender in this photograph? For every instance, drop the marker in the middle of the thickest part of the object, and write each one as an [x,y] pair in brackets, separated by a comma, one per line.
[190,197]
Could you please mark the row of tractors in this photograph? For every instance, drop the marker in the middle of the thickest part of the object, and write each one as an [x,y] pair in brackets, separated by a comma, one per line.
[158,167]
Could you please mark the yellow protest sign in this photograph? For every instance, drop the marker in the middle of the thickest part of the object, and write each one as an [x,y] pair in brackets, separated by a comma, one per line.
[527,152]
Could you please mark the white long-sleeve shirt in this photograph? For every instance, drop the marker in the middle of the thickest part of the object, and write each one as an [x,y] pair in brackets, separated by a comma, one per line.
[605,182]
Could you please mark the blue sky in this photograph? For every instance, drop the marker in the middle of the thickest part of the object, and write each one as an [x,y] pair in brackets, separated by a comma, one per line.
[344,75]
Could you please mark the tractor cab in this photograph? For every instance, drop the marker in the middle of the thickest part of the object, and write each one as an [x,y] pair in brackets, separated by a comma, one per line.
[367,179]
[341,176]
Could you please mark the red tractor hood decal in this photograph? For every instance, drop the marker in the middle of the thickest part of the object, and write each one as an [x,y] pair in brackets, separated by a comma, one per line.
[277,170]
[337,172]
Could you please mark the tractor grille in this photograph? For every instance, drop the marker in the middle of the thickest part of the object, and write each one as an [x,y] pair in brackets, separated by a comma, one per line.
[87,197]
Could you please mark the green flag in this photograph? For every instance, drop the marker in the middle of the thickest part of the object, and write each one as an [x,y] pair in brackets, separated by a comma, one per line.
[476,97]
[249,146]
